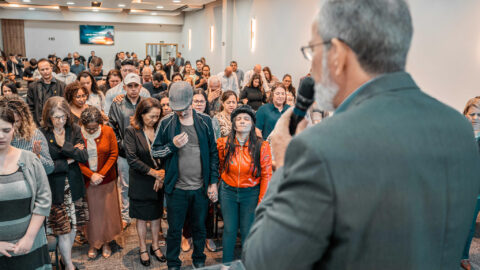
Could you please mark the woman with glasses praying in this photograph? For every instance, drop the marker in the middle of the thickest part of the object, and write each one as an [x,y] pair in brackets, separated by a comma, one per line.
[100,173]
[66,146]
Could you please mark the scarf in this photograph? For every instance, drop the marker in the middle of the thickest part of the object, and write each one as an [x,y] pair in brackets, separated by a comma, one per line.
[92,147]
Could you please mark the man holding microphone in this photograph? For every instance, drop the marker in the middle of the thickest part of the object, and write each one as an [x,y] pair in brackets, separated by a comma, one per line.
[390,180]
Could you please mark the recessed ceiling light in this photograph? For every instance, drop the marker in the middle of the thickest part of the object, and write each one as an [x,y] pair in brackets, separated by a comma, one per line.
[56,7]
[121,5]
[176,1]
[133,10]
[159,6]
[154,13]
[31,8]
[95,10]
[26,1]
[14,5]
[70,3]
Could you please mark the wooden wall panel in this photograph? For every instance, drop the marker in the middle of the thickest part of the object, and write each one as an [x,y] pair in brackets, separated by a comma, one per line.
[13,34]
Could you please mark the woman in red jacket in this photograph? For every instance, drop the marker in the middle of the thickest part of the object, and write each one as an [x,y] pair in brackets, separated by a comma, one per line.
[100,174]
[245,170]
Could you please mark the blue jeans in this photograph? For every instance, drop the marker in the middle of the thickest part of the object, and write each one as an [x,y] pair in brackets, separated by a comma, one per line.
[466,249]
[123,184]
[238,210]
[179,202]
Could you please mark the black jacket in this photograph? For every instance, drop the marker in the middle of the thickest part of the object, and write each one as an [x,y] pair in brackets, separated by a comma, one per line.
[168,68]
[18,66]
[119,120]
[37,96]
[140,161]
[164,148]
[62,169]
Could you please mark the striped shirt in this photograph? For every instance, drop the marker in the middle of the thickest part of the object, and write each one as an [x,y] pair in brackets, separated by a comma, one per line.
[45,158]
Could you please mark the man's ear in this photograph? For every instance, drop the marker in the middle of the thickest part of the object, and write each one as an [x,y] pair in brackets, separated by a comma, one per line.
[339,55]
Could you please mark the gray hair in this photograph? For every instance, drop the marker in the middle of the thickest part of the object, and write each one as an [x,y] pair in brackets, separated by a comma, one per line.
[378,31]
[213,79]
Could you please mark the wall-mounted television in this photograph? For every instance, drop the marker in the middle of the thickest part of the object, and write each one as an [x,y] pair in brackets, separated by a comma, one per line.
[97,34]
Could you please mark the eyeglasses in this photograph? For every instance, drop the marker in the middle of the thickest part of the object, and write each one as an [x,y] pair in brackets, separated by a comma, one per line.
[59,117]
[198,101]
[307,51]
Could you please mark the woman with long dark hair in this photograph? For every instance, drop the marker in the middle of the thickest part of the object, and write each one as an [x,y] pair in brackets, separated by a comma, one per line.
[146,177]
[95,96]
[222,126]
[253,94]
[246,169]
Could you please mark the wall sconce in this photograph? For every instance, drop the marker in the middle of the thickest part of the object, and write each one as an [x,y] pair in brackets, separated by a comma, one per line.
[212,30]
[253,33]
[189,39]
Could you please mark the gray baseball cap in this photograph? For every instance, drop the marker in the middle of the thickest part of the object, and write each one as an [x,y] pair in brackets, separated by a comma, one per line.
[180,96]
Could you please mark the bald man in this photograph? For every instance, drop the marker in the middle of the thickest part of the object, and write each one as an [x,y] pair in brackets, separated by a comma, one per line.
[258,70]
[229,80]
[147,74]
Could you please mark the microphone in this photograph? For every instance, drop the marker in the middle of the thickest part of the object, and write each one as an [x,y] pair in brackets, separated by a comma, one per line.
[304,100]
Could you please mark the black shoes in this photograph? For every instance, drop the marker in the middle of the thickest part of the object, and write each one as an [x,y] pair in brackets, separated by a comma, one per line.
[146,262]
[198,265]
[160,259]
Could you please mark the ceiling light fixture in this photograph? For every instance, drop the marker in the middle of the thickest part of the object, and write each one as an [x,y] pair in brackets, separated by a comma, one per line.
[159,6]
[121,5]
[70,3]
[154,13]
[14,5]
[26,1]
[31,8]
[95,10]
[176,1]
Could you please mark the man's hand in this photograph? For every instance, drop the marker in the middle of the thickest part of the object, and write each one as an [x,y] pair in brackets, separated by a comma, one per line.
[213,193]
[280,136]
[180,140]
[118,98]
[214,94]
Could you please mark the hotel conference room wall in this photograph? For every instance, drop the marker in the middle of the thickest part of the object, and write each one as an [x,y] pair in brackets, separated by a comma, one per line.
[128,37]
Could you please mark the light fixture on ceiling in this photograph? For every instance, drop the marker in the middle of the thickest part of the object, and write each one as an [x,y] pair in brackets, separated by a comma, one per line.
[31,8]
[95,10]
[212,35]
[176,1]
[159,7]
[154,13]
[121,5]
[26,1]
[70,3]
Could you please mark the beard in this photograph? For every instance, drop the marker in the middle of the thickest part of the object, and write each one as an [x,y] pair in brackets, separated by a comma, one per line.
[326,89]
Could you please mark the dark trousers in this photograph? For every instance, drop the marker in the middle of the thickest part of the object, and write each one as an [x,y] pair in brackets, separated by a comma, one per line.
[179,202]
[466,249]
[209,223]
[238,209]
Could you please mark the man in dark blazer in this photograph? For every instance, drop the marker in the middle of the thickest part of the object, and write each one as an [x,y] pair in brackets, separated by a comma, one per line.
[389,181]
[170,68]
[14,66]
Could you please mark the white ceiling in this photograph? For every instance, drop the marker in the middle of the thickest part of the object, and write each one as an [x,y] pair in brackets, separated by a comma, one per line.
[139,6]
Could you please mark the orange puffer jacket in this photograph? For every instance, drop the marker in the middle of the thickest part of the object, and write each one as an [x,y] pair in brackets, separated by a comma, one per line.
[240,170]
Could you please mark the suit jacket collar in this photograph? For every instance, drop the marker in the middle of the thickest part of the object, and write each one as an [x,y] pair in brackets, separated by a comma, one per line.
[382,84]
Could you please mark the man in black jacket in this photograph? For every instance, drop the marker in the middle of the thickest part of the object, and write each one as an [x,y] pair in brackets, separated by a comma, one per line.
[185,143]
[14,65]
[39,91]
[119,120]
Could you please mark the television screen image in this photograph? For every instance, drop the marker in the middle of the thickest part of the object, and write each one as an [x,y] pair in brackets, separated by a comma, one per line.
[97,34]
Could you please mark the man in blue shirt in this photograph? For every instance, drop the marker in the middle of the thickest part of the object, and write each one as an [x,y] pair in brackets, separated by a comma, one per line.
[77,67]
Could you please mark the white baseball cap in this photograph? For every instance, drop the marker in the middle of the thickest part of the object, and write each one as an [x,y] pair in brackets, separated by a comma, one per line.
[131,78]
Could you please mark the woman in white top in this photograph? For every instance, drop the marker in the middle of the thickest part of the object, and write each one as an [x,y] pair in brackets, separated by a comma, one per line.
[96,97]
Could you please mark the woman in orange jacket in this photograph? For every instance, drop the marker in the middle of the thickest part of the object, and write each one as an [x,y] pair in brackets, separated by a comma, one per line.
[245,170]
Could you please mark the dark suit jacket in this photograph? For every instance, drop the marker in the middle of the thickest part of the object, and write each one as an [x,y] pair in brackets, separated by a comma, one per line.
[140,161]
[389,183]
[62,169]
[167,70]
[37,96]
[18,67]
